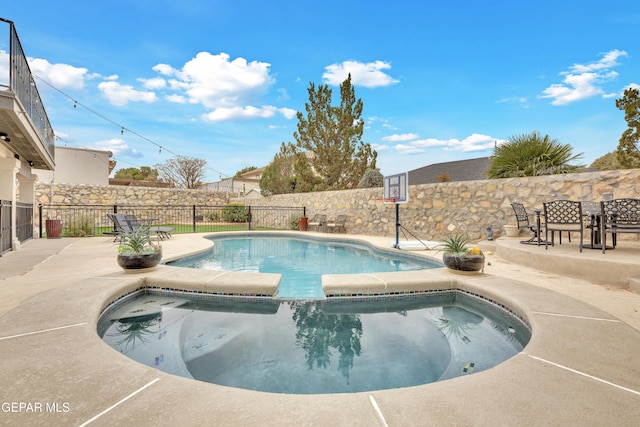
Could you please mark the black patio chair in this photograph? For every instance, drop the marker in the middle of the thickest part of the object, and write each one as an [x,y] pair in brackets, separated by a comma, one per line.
[563,215]
[522,219]
[134,224]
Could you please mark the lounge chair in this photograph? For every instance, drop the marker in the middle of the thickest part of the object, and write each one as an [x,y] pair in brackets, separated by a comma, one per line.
[127,223]
[162,232]
[337,224]
[318,221]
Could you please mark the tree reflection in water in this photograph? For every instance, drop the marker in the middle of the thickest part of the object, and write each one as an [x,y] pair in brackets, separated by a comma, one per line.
[456,322]
[317,332]
[134,329]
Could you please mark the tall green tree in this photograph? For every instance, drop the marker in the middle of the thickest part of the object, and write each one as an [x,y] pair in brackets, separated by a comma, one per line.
[372,178]
[532,155]
[627,151]
[329,153]
[333,137]
[608,161]
[279,175]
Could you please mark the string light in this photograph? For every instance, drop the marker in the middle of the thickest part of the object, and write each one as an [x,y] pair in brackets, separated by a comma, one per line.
[122,128]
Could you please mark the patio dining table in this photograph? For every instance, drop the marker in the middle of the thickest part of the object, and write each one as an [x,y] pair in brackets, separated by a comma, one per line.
[594,213]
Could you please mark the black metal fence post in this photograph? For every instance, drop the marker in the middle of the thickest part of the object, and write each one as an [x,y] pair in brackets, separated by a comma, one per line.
[194,218]
[40,220]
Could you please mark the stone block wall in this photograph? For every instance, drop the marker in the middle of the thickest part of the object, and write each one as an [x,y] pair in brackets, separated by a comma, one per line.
[469,206]
[74,194]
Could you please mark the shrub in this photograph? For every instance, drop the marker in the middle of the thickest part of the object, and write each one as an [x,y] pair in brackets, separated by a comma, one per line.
[212,216]
[294,221]
[235,213]
[79,225]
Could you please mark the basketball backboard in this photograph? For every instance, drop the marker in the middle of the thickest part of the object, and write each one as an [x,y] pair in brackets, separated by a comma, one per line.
[396,188]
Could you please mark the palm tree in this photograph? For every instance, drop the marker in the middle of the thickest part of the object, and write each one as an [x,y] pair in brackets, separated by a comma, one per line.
[532,155]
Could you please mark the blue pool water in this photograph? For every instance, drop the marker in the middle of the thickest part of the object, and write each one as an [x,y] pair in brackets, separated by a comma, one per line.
[301,262]
[310,347]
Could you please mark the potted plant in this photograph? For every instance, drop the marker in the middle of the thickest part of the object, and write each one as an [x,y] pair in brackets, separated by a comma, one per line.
[511,230]
[458,257]
[137,253]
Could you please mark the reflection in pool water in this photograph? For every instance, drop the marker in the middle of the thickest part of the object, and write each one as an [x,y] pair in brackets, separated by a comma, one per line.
[313,346]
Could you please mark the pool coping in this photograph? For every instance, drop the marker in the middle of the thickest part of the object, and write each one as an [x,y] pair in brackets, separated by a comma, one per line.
[578,357]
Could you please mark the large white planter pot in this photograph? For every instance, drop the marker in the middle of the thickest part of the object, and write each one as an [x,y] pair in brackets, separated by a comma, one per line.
[511,230]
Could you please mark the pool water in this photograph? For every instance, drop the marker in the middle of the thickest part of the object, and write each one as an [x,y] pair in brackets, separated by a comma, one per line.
[302,262]
[310,347]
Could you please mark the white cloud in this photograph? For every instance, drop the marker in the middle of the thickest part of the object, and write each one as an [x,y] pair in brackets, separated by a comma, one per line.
[177,99]
[380,147]
[216,81]
[401,137]
[369,74]
[408,149]
[288,113]
[117,146]
[154,83]
[121,95]
[247,112]
[584,81]
[62,76]
[474,142]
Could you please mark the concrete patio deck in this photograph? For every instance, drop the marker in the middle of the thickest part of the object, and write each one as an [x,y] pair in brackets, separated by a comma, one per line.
[580,367]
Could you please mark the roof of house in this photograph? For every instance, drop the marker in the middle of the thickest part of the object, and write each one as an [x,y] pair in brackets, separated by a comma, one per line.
[460,170]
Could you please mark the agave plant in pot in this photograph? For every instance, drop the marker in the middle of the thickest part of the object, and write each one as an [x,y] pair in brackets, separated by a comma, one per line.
[137,253]
[459,257]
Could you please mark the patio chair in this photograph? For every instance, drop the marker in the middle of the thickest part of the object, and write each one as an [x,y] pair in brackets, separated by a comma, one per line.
[120,225]
[134,224]
[318,221]
[619,216]
[127,223]
[522,219]
[337,224]
[563,215]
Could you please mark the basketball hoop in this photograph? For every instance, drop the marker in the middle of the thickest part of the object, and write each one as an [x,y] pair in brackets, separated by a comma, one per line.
[396,189]
[394,192]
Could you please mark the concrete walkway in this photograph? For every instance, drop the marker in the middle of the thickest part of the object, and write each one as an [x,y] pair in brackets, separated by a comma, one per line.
[580,367]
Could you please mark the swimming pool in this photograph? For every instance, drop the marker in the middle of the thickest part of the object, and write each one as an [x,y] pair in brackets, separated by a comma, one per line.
[301,261]
[311,347]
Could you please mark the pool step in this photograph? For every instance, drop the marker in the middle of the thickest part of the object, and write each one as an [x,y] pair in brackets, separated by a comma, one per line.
[634,284]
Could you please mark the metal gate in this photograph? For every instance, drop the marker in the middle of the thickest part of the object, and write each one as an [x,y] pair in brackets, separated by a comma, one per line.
[24,221]
[5,226]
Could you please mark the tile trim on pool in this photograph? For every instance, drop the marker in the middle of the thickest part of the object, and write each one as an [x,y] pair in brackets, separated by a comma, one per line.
[487,302]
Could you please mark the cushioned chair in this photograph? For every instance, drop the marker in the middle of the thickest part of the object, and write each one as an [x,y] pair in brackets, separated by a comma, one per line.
[563,215]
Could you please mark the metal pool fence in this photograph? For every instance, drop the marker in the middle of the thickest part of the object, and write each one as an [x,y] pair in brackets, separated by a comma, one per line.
[92,220]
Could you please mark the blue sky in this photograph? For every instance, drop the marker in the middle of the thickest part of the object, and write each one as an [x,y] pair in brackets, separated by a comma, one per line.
[221,80]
